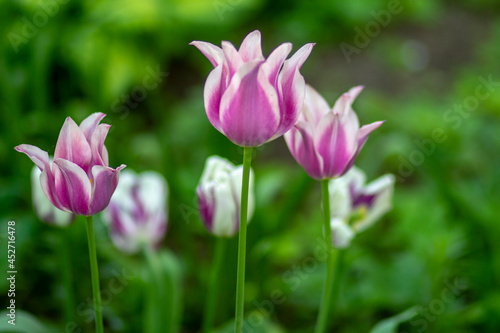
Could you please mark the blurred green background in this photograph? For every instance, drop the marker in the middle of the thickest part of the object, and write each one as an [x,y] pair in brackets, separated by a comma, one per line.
[421,73]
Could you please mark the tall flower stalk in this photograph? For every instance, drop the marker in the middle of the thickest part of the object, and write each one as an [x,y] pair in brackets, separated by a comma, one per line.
[252,100]
[221,192]
[330,263]
[94,271]
[242,241]
[325,142]
[79,180]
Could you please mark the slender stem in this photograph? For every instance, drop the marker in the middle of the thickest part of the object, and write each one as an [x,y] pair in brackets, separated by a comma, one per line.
[156,292]
[323,316]
[95,275]
[69,304]
[242,241]
[211,300]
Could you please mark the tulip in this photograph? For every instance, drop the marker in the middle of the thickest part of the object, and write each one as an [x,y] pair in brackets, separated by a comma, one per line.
[250,99]
[324,141]
[79,180]
[137,212]
[44,209]
[219,195]
[356,206]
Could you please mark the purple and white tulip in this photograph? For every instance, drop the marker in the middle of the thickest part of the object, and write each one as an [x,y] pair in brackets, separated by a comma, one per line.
[250,99]
[80,180]
[326,141]
[44,209]
[137,213]
[356,206]
[219,196]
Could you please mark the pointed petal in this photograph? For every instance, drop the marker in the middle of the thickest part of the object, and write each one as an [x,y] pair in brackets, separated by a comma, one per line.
[362,136]
[212,94]
[97,144]
[233,58]
[249,108]
[73,146]
[72,186]
[354,92]
[212,52]
[38,156]
[90,123]
[250,48]
[41,159]
[292,88]
[316,105]
[275,61]
[365,131]
[104,183]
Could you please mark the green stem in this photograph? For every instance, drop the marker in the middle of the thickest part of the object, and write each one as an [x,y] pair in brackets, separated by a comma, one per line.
[323,316]
[69,304]
[95,275]
[211,300]
[242,240]
[156,292]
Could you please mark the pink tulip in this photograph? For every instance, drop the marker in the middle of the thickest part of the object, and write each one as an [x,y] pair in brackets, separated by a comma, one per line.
[325,141]
[80,180]
[249,99]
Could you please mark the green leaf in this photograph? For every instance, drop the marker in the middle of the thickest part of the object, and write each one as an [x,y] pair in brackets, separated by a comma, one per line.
[25,322]
[390,325]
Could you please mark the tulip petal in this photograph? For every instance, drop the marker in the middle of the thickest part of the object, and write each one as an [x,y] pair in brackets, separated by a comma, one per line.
[73,146]
[212,95]
[275,61]
[292,92]
[41,159]
[342,234]
[249,108]
[251,49]
[89,124]
[362,136]
[105,180]
[225,210]
[97,144]
[300,137]
[72,186]
[233,58]
[206,205]
[316,105]
[212,52]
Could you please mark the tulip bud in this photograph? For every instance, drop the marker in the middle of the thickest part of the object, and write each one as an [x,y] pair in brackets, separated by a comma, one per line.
[44,209]
[137,212]
[219,196]
[325,141]
[356,206]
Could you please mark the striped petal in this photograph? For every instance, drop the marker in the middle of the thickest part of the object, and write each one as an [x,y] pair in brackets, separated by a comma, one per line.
[212,52]
[89,124]
[250,48]
[97,145]
[104,183]
[73,146]
[72,186]
[249,107]
[41,159]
